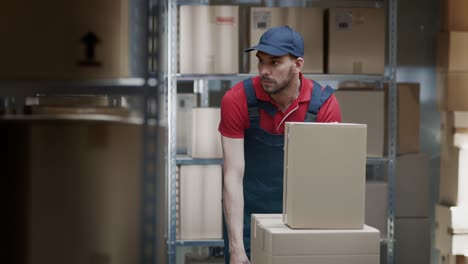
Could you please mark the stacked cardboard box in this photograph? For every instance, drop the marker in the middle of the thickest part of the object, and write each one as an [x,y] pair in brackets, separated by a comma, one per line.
[307,21]
[451,237]
[209,39]
[50,40]
[323,211]
[368,106]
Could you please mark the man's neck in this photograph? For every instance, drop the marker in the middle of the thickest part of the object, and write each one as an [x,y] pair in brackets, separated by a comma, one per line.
[284,98]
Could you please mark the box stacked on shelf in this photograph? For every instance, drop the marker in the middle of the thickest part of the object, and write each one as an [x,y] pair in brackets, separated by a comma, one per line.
[323,210]
[451,212]
[369,106]
[307,21]
[87,39]
[209,39]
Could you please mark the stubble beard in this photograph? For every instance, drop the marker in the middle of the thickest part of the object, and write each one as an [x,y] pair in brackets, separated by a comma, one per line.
[284,86]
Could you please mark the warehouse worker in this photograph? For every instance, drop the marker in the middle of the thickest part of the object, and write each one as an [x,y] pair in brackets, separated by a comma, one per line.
[253,117]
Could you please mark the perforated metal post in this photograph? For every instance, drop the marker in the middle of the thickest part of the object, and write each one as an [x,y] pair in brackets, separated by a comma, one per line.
[392,132]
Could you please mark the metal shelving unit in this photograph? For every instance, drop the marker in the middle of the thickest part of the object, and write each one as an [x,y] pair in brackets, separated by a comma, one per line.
[201,87]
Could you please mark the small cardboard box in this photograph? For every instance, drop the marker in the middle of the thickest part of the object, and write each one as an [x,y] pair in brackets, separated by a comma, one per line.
[307,21]
[365,107]
[208,39]
[356,43]
[324,175]
[204,140]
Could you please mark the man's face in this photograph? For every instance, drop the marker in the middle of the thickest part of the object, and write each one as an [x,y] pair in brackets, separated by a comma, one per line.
[276,72]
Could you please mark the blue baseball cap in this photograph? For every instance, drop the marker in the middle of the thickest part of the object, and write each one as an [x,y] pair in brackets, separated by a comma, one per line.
[279,41]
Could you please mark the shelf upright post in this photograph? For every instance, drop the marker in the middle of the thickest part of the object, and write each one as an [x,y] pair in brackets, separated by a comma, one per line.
[392,126]
[171,45]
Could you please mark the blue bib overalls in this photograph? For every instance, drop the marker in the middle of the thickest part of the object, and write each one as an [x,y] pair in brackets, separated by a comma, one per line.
[263,176]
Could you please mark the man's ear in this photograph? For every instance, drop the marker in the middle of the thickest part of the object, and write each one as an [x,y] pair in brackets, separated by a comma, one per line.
[299,63]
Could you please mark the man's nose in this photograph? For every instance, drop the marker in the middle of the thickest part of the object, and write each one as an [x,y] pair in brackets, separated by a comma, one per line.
[264,69]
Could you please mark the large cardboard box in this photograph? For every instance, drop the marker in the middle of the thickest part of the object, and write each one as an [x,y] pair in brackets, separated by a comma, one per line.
[274,242]
[453,15]
[82,198]
[204,140]
[356,40]
[365,107]
[452,90]
[51,39]
[208,39]
[307,21]
[324,175]
[413,240]
[408,115]
[185,104]
[200,208]
[412,173]
[452,54]
[376,206]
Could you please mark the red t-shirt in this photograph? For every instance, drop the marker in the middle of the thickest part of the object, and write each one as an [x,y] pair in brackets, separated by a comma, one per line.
[235,117]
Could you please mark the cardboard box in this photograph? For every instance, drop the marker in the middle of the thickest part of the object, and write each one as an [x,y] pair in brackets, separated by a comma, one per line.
[452,54]
[208,39]
[412,173]
[325,188]
[274,242]
[307,21]
[200,215]
[82,199]
[376,206]
[460,120]
[365,107]
[452,91]
[453,15]
[196,259]
[453,173]
[408,118]
[185,104]
[451,220]
[447,258]
[356,43]
[413,240]
[205,141]
[80,40]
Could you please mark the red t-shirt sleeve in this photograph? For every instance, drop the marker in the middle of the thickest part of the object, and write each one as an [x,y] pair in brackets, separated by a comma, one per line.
[234,114]
[330,111]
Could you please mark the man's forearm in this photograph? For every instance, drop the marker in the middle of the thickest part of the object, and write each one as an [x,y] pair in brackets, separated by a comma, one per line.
[233,198]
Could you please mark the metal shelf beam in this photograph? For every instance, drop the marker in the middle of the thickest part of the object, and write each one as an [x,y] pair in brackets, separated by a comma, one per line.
[200,243]
[317,77]
[121,86]
[290,3]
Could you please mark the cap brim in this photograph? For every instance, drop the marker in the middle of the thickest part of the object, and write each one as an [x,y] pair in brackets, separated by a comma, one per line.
[267,49]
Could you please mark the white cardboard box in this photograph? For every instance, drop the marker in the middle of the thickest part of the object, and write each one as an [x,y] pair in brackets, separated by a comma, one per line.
[205,140]
[324,175]
[272,241]
[365,107]
[451,229]
[209,39]
[376,206]
[307,21]
[200,207]
[356,40]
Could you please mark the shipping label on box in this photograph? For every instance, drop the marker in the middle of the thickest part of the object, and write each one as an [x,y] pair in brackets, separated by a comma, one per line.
[307,21]
[324,175]
[356,43]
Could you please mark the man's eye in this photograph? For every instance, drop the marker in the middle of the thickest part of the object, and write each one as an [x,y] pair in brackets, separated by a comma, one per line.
[275,62]
[260,61]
